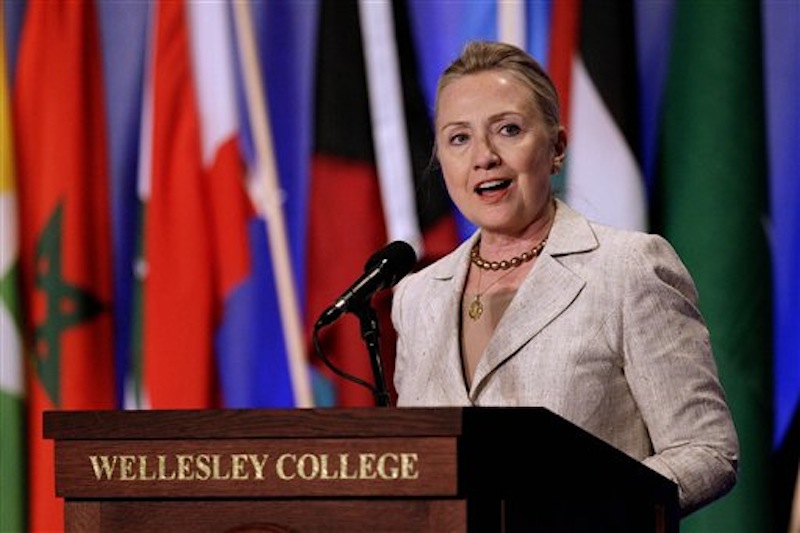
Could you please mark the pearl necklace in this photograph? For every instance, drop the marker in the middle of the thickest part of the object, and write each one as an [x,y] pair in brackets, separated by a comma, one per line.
[505,264]
[476,306]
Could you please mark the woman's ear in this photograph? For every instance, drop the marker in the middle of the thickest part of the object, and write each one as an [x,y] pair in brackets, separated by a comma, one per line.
[559,150]
[560,144]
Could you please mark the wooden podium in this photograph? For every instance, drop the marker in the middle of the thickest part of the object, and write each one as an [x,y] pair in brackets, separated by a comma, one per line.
[349,470]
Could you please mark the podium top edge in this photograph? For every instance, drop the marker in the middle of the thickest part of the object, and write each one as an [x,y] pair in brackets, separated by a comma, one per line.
[278,423]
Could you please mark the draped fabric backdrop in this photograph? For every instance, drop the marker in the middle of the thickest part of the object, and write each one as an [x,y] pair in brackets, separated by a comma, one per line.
[185,186]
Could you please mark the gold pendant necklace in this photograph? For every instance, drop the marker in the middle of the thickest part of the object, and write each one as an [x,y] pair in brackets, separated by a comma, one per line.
[476,306]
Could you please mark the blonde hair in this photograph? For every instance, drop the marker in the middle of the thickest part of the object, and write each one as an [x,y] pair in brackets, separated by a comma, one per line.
[481,56]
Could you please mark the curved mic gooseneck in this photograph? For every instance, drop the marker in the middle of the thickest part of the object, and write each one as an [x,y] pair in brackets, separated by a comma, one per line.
[383,270]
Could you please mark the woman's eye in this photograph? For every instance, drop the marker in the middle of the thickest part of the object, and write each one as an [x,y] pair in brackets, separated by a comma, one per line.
[510,130]
[458,138]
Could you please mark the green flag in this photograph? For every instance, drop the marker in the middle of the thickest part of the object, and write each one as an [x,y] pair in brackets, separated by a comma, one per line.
[12,432]
[713,207]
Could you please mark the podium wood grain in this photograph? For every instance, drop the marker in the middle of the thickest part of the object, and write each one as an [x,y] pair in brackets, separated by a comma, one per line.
[348,470]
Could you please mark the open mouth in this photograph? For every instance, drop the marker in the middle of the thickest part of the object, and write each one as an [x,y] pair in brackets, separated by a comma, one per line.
[492,186]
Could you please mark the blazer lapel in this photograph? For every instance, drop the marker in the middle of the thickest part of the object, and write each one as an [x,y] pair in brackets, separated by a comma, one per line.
[442,314]
[548,290]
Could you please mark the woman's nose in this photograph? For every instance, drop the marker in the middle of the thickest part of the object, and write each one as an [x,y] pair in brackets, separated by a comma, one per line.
[485,156]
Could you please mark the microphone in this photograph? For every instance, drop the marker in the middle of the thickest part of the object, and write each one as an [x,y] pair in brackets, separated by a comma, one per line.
[384,269]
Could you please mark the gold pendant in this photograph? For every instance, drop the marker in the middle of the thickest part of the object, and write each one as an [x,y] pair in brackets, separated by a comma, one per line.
[475,308]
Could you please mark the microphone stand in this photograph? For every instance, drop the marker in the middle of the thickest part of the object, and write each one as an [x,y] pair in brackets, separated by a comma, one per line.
[369,332]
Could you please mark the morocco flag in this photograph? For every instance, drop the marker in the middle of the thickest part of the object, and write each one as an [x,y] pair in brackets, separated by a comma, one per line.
[65,251]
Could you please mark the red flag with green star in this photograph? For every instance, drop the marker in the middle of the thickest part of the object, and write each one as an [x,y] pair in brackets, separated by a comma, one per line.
[65,246]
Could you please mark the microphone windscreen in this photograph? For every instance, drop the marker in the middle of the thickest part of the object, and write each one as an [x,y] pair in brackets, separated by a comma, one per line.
[397,259]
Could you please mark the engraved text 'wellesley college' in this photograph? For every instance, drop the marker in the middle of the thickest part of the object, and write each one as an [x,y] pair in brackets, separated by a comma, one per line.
[255,467]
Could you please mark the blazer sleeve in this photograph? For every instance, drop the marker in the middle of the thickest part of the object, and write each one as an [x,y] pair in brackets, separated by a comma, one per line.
[673,376]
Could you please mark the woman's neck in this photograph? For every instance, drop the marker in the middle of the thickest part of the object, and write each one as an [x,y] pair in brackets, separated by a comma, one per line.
[498,246]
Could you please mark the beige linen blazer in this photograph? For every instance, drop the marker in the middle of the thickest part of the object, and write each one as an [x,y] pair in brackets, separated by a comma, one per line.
[604,331]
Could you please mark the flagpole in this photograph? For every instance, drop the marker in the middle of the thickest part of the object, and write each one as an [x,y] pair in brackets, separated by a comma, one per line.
[273,212]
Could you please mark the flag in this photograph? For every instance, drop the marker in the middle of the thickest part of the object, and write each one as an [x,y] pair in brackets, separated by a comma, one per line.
[593,63]
[178,287]
[12,414]
[782,74]
[713,208]
[279,74]
[227,302]
[441,29]
[261,358]
[212,60]
[124,37]
[439,32]
[372,141]
[782,85]
[346,219]
[417,207]
[653,23]
[65,245]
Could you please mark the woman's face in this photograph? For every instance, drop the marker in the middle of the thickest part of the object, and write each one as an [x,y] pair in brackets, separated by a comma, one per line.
[495,151]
